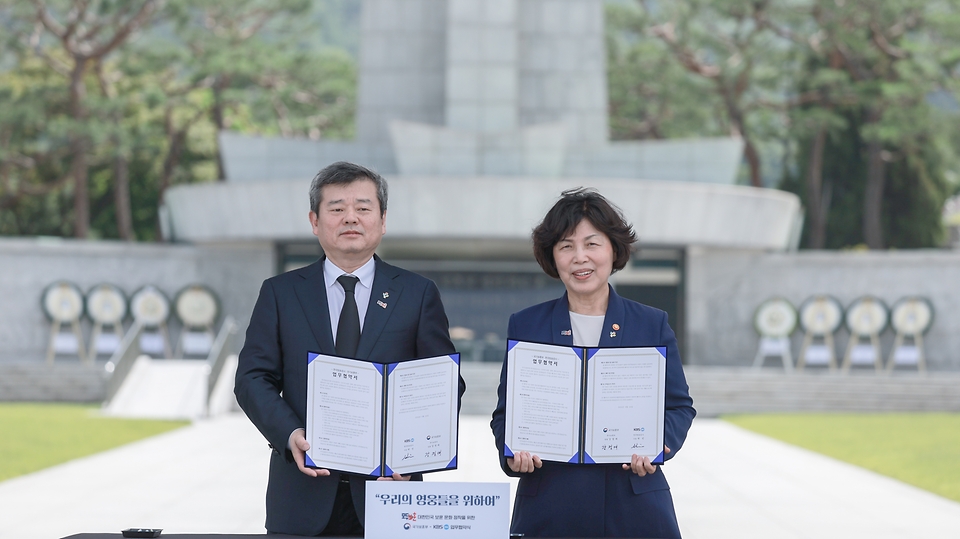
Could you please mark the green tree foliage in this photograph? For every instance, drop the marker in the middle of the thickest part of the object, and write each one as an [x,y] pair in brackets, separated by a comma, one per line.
[881,61]
[651,95]
[706,55]
[33,186]
[106,103]
[838,92]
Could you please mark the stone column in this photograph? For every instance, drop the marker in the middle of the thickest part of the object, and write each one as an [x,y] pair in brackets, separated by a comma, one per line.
[482,75]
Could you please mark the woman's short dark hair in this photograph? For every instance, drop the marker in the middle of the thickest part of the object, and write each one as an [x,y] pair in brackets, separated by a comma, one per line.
[574,206]
[343,173]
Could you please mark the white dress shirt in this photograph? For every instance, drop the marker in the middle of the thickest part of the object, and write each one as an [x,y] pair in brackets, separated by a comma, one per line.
[336,295]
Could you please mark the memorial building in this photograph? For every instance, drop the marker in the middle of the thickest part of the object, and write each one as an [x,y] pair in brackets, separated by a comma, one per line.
[479,113]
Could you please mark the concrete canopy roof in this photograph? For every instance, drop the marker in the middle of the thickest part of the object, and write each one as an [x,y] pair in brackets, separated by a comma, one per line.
[464,214]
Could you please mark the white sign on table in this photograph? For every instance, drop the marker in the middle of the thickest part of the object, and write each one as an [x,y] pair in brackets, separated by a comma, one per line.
[420,510]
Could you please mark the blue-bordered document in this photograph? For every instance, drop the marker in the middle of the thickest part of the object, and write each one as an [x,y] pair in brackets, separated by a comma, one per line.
[585,405]
[382,418]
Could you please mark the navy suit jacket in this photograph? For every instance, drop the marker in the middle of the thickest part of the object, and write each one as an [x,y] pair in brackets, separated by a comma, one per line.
[291,318]
[602,500]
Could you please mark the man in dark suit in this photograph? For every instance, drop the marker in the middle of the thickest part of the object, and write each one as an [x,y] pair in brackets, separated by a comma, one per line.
[399,314]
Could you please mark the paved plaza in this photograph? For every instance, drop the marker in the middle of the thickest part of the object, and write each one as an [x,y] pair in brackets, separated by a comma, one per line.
[727,482]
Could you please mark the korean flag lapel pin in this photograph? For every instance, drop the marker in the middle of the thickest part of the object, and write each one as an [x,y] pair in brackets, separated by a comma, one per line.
[382,303]
[566,332]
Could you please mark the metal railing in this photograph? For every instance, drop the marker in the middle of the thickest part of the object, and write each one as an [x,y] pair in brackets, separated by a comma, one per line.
[123,359]
[219,353]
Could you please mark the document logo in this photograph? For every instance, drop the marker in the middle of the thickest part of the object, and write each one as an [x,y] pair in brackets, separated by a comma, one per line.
[406,525]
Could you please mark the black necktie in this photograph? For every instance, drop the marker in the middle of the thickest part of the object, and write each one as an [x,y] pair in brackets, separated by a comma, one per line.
[348,329]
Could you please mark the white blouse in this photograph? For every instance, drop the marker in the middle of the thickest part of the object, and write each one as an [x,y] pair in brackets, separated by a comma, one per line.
[586,329]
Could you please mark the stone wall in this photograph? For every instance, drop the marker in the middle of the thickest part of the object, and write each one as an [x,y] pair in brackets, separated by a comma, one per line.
[27,266]
[724,288]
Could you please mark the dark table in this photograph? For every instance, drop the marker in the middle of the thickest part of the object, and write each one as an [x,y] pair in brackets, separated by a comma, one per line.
[191,536]
[196,536]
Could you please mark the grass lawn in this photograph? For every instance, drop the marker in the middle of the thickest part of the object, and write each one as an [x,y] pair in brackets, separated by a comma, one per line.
[37,436]
[922,449]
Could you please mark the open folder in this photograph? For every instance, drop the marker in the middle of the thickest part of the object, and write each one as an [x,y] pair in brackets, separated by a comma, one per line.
[585,405]
[377,419]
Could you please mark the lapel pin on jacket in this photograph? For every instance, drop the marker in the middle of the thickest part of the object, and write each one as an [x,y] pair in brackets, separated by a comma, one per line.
[566,332]
[386,295]
[382,304]
[616,327]
[613,334]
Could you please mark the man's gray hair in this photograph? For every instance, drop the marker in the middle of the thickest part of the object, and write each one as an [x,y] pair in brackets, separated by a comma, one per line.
[343,173]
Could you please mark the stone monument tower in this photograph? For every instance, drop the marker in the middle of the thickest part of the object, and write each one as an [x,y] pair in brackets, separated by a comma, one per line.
[484,87]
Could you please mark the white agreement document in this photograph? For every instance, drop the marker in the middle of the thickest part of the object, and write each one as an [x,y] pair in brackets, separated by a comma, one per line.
[344,413]
[625,404]
[382,418]
[422,415]
[585,405]
[543,401]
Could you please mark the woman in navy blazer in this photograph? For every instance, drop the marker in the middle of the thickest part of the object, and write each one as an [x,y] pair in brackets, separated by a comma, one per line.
[582,240]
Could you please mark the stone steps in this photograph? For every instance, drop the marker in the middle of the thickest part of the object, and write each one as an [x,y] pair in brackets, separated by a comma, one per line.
[58,382]
[730,390]
[716,390]
[719,390]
